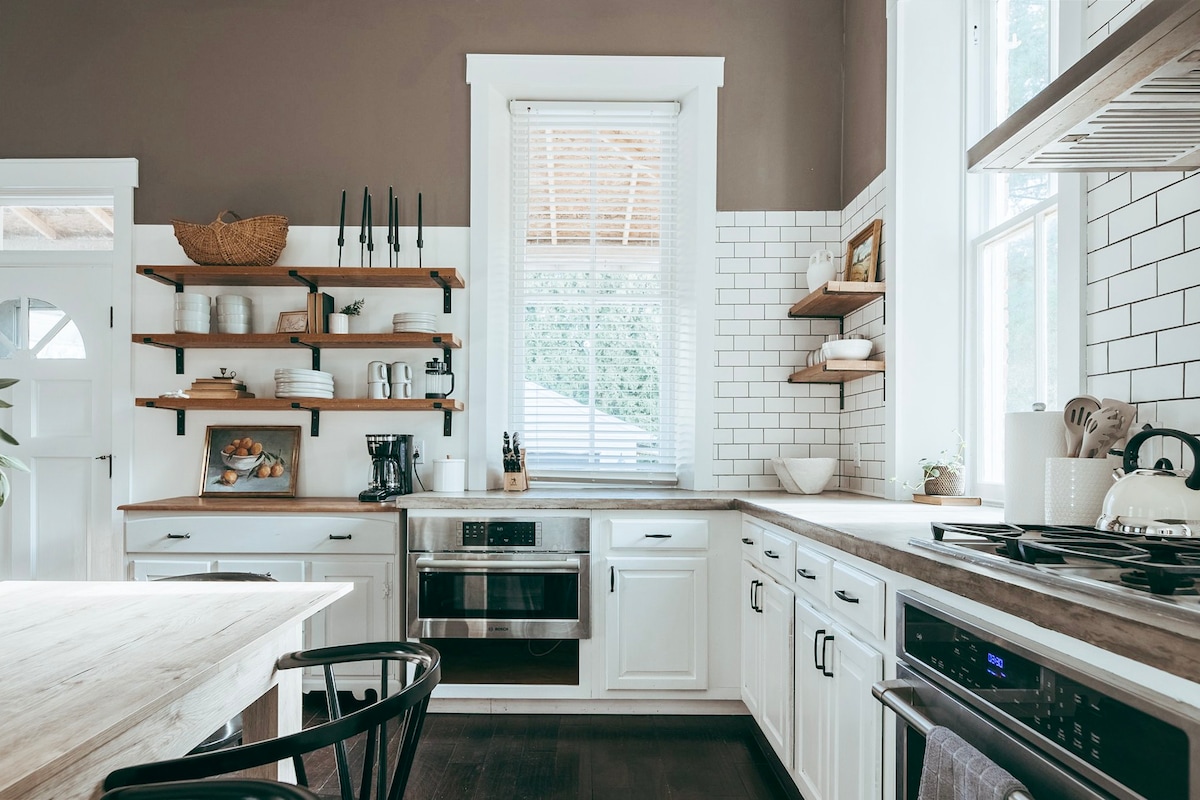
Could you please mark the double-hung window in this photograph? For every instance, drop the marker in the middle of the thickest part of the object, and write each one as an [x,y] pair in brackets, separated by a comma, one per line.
[1013,235]
[595,313]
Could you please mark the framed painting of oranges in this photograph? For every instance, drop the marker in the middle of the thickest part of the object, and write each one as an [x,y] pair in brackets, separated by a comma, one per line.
[247,461]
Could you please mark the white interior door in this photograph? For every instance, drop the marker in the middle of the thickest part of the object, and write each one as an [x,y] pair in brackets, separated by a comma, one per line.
[56,339]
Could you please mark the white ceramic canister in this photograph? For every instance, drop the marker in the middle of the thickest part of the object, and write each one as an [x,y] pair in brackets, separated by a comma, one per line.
[449,475]
[1075,490]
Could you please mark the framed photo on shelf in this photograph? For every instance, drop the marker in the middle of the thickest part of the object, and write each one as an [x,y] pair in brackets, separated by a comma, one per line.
[292,322]
[862,253]
[250,461]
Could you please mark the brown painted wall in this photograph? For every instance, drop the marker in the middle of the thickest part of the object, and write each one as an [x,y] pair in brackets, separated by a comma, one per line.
[864,60]
[273,106]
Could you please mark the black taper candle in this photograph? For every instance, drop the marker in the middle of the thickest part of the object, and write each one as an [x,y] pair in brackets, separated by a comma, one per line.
[396,217]
[362,231]
[342,228]
[370,232]
[420,230]
[391,197]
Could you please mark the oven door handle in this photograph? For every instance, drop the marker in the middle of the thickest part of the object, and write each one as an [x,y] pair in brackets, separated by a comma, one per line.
[897,695]
[568,565]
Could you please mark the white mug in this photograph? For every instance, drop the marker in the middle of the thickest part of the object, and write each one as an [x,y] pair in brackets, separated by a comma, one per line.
[401,372]
[402,390]
[377,390]
[377,372]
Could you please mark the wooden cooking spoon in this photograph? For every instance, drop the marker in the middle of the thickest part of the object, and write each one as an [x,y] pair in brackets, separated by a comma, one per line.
[1075,414]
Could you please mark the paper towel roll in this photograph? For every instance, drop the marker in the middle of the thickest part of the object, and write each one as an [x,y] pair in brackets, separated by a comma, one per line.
[1030,437]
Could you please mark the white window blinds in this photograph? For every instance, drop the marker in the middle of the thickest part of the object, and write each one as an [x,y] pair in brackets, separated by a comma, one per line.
[595,311]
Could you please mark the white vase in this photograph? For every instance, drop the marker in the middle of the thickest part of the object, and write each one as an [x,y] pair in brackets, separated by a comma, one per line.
[821,269]
[339,323]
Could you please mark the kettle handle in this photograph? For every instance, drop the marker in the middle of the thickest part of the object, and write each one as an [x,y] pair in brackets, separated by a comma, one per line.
[1131,452]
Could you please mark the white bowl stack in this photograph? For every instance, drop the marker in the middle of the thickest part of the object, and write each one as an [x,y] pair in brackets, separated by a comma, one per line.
[233,313]
[192,312]
[303,383]
[414,322]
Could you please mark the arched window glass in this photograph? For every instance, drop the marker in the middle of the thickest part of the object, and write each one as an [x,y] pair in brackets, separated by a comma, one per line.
[39,327]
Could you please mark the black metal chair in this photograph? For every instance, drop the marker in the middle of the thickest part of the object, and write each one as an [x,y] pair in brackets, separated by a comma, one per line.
[406,707]
[212,790]
[230,733]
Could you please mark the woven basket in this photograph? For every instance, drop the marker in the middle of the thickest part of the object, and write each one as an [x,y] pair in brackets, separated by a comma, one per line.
[253,242]
[946,484]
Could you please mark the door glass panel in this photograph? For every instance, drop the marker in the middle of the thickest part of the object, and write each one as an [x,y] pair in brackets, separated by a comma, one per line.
[39,226]
[47,332]
[9,328]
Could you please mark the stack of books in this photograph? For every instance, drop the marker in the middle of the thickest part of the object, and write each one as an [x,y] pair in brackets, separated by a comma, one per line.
[218,389]
[320,306]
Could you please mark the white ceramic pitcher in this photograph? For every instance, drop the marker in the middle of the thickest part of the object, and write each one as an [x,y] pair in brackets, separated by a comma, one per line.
[821,269]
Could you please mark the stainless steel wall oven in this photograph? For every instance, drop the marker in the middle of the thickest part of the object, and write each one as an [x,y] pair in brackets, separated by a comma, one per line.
[1064,732]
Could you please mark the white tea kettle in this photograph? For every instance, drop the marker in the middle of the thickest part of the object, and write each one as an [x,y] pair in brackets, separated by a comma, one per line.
[1154,502]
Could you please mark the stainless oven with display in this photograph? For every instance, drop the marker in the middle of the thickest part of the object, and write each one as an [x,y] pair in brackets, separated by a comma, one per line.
[1065,732]
[498,578]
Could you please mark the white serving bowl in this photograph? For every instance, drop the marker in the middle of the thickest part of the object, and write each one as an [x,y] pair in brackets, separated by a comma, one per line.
[804,475]
[233,327]
[191,298]
[232,300]
[192,327]
[233,317]
[847,349]
[192,308]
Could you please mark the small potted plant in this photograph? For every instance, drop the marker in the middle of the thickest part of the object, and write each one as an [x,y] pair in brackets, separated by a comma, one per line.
[943,474]
[339,322]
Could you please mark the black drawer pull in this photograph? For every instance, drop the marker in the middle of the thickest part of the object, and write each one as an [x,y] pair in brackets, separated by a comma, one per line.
[179,536]
[842,594]
[658,536]
[747,541]
[818,650]
[803,573]
[341,537]
[825,666]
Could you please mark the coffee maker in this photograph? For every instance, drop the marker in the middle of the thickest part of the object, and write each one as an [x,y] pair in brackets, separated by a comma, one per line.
[391,466]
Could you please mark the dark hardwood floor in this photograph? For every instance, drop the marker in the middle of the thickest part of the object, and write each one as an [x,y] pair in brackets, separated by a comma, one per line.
[558,756]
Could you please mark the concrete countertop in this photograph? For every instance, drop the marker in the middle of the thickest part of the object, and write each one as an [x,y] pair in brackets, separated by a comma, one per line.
[1160,635]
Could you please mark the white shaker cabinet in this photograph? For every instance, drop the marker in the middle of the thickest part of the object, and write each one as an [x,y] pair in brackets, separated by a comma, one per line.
[767,657]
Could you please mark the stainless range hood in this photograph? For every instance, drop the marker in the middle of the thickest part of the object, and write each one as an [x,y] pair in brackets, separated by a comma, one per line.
[1131,104]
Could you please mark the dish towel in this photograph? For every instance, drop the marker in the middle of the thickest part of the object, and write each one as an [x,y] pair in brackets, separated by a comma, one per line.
[954,770]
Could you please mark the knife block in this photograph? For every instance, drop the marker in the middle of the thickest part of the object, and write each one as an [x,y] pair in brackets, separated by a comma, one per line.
[517,481]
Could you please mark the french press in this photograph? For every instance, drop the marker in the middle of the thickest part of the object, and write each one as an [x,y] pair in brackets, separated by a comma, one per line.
[439,380]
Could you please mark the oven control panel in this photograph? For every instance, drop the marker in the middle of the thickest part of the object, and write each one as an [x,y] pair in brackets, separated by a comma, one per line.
[500,533]
[1083,717]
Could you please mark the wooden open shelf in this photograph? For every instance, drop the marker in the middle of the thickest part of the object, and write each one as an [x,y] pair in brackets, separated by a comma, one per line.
[837,299]
[315,278]
[838,371]
[330,341]
[314,405]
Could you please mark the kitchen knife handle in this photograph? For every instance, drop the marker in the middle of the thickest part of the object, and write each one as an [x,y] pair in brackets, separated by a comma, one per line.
[843,595]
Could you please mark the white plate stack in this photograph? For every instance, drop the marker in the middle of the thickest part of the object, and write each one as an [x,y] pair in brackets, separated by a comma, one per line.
[233,313]
[192,312]
[414,322]
[303,383]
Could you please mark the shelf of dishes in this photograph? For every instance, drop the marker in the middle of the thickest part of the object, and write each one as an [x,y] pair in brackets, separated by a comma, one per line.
[314,405]
[836,299]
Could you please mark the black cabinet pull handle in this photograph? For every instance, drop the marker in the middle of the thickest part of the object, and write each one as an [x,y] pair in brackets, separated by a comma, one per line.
[342,537]
[658,536]
[179,536]
[845,596]
[759,607]
[770,554]
[828,673]
[747,541]
[818,651]
[612,580]
[803,573]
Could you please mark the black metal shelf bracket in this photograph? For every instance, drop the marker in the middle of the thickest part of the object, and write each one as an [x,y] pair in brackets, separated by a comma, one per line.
[296,276]
[178,352]
[149,273]
[440,281]
[447,419]
[316,351]
[841,397]
[445,351]
[314,428]
[180,417]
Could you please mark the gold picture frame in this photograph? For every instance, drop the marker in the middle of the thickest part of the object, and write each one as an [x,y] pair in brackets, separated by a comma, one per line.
[292,322]
[250,461]
[862,253]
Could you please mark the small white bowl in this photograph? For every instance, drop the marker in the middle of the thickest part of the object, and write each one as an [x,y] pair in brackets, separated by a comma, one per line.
[804,475]
[847,349]
[191,297]
[232,327]
[191,319]
[230,300]
[233,317]
[188,327]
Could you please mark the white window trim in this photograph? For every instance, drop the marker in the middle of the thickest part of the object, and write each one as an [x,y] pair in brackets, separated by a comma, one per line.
[495,81]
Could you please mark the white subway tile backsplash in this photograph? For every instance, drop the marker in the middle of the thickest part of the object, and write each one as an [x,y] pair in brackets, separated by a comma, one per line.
[1097,234]
[1191,235]
[1097,296]
[795,234]
[1191,382]
[1110,384]
[1191,306]
[1131,219]
[1132,353]
[779,218]
[1154,245]
[777,249]
[1142,184]
[1157,383]
[764,234]
[1108,197]
[733,234]
[1156,314]
[751,250]
[1107,325]
[1108,261]
[750,219]
[810,218]
[1179,344]
[1179,199]
[1129,287]
[1097,358]
[1179,272]
[725,219]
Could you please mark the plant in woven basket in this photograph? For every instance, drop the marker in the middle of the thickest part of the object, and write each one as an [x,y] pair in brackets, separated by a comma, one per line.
[7,461]
[942,474]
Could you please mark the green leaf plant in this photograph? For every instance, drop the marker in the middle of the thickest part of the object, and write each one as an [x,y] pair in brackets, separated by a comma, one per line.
[950,462]
[6,437]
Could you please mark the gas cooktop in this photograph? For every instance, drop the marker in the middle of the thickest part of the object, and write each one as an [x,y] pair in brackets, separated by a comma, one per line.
[1153,571]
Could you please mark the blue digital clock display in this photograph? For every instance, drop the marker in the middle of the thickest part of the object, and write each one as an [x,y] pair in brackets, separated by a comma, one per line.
[995,666]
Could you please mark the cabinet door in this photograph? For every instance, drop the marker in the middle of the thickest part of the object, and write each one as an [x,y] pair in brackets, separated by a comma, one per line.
[149,569]
[364,615]
[291,571]
[813,691]
[857,722]
[778,652]
[752,622]
[656,623]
